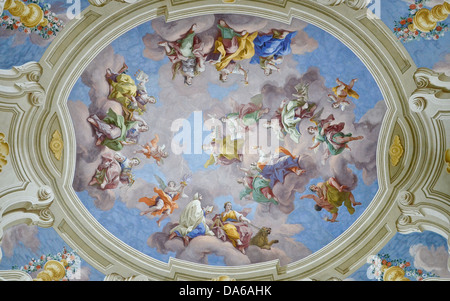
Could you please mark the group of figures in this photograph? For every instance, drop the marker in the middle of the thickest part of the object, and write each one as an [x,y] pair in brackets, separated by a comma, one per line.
[116,131]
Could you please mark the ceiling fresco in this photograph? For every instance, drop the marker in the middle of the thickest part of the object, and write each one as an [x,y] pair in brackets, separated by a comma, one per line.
[226,140]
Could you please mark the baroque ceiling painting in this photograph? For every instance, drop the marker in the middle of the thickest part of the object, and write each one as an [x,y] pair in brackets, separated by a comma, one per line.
[210,140]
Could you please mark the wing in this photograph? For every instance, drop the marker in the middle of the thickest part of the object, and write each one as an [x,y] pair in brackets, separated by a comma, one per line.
[162,185]
[316,117]
[186,178]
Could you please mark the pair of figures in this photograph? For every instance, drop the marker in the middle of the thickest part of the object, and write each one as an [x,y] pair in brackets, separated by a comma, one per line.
[330,195]
[114,170]
[165,200]
[230,225]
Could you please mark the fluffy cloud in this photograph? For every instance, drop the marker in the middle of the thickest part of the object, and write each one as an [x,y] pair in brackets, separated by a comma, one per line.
[443,66]
[431,259]
[20,234]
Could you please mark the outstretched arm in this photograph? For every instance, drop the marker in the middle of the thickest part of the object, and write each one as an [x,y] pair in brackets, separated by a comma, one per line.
[310,196]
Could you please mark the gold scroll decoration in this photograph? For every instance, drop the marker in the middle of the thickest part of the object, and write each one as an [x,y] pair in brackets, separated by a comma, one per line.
[57,144]
[426,20]
[396,151]
[4,151]
[30,15]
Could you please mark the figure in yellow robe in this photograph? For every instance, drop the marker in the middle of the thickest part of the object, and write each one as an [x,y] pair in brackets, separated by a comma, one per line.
[233,46]
[225,151]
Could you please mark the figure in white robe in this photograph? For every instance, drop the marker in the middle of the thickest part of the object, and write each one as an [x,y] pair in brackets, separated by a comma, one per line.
[192,221]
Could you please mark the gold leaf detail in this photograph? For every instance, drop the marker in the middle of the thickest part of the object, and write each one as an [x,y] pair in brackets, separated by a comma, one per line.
[447,159]
[57,144]
[396,151]
[4,151]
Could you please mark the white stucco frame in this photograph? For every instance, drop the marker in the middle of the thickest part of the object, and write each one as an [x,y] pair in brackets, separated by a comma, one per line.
[37,188]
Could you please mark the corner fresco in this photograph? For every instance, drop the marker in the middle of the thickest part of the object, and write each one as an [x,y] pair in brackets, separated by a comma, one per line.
[227,140]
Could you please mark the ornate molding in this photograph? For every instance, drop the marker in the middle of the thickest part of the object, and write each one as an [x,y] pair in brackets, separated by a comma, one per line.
[117,277]
[355,4]
[23,80]
[104,2]
[4,151]
[29,210]
[14,275]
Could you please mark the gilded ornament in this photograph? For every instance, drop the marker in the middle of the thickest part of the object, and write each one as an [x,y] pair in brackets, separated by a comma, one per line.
[396,151]
[447,159]
[426,20]
[4,151]
[394,273]
[30,15]
[57,144]
[53,271]
[223,278]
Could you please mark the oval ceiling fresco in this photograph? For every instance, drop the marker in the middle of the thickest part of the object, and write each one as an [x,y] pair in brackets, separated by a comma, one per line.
[226,139]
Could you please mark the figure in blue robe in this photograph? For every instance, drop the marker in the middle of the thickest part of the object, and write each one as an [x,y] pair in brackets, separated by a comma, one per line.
[270,49]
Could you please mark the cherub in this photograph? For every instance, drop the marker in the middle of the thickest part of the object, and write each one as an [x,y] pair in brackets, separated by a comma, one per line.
[153,150]
[164,203]
[330,195]
[339,98]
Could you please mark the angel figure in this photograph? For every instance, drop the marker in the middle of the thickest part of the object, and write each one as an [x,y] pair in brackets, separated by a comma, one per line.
[164,202]
[256,187]
[277,166]
[341,91]
[230,47]
[330,195]
[113,170]
[153,150]
[246,115]
[186,55]
[331,135]
[270,49]
[291,112]
[115,132]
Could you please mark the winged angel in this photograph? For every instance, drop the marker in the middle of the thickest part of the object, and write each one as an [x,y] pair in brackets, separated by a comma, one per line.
[164,202]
